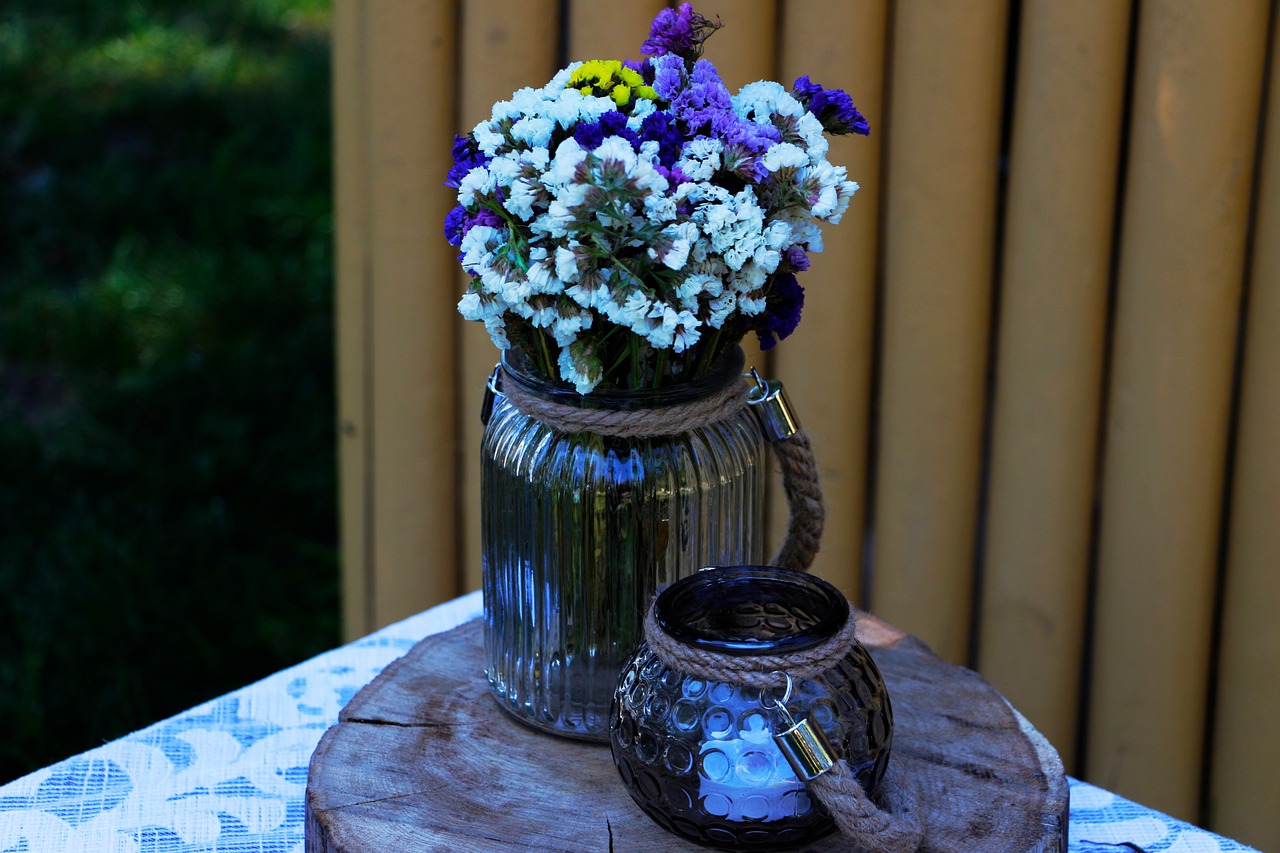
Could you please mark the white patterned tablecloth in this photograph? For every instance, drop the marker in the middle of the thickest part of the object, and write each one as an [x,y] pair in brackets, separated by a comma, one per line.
[228,776]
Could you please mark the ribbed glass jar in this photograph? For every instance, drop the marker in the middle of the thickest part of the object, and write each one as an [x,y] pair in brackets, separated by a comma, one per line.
[579,530]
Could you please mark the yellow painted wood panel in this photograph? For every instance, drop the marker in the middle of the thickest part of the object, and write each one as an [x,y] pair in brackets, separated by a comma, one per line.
[826,364]
[942,147]
[351,184]
[1051,346]
[1194,122]
[506,45]
[609,30]
[408,48]
[1245,767]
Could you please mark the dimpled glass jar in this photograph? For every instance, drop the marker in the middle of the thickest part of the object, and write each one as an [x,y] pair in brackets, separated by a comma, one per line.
[698,756]
[579,530]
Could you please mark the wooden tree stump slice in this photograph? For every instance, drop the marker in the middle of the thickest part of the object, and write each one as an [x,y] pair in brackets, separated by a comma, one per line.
[423,759]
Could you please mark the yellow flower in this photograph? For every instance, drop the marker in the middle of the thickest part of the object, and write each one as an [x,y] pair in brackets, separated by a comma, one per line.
[610,77]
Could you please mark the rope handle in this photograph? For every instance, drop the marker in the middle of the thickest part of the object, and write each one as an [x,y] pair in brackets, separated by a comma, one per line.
[772,409]
[799,473]
[893,827]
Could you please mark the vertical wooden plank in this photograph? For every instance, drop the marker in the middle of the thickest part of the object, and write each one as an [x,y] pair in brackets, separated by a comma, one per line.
[410,50]
[506,45]
[1195,108]
[351,183]
[1245,766]
[827,364]
[609,30]
[745,49]
[1057,256]
[943,141]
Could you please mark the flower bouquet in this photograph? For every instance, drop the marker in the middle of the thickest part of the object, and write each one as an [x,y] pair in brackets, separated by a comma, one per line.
[625,226]
[629,222]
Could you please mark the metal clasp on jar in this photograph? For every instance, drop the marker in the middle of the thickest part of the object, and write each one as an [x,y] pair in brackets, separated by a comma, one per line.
[803,744]
[777,419]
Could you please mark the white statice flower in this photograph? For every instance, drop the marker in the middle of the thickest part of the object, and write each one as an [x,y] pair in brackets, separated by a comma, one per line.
[697,285]
[574,371]
[590,297]
[476,183]
[700,158]
[542,272]
[784,155]
[489,310]
[658,325]
[564,165]
[567,262]
[682,236]
[640,110]
[764,99]
[844,194]
[477,247]
[778,235]
[721,307]
[751,305]
[660,208]
[568,324]
[561,212]
[534,132]
[497,329]
[560,81]
[686,332]
[521,197]
[809,129]
[528,102]
[638,170]
[488,138]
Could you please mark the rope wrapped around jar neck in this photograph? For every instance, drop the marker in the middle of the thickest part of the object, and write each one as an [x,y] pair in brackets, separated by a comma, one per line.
[794,452]
[891,826]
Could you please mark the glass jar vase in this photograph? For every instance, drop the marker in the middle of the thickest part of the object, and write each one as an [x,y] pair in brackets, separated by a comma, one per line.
[699,756]
[579,530]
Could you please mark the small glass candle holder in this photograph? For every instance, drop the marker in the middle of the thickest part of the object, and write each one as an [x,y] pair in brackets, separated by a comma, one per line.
[698,755]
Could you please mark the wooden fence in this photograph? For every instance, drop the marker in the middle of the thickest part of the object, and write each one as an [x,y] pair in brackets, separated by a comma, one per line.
[1040,357]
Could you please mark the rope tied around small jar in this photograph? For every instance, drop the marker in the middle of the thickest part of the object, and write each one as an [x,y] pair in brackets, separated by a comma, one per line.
[793,449]
[891,826]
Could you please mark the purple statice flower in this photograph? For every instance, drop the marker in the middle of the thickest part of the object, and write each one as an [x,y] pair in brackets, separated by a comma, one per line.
[662,128]
[466,156]
[458,222]
[705,102]
[798,258]
[782,311]
[668,75]
[833,107]
[454,221]
[589,135]
[680,31]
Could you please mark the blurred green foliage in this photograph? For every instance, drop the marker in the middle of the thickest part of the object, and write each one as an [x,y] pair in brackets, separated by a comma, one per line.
[167,474]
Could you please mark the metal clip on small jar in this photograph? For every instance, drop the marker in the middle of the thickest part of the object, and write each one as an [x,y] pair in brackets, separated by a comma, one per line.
[725,763]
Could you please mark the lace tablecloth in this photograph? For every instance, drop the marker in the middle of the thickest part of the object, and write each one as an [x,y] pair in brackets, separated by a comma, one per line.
[228,776]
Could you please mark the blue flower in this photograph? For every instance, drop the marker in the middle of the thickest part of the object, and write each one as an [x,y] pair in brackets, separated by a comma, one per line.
[782,311]
[680,32]
[833,107]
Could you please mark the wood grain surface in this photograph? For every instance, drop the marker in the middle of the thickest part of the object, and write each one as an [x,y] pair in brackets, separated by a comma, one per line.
[422,759]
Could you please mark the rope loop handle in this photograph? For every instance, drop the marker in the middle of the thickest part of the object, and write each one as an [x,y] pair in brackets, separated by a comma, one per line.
[790,443]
